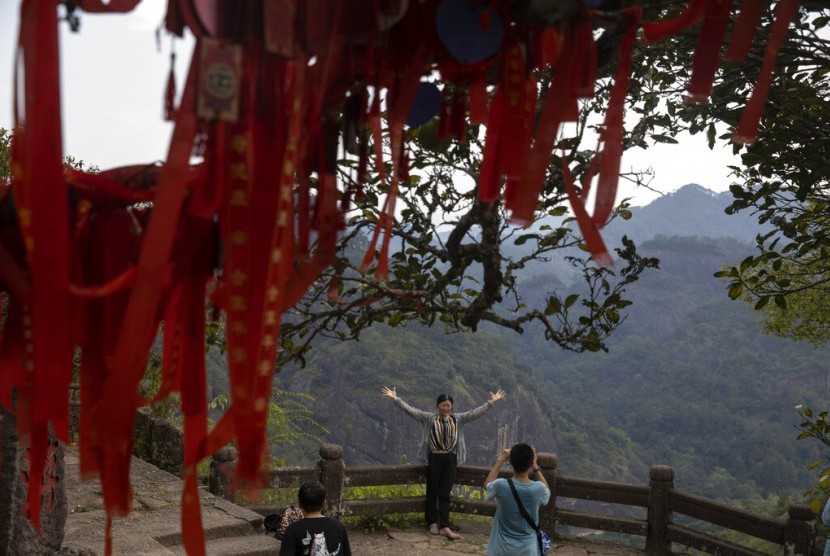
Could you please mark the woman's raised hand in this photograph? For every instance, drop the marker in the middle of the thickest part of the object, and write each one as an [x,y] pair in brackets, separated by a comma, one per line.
[498,396]
[389,392]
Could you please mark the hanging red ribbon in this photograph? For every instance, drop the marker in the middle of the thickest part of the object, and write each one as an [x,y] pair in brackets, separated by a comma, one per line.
[119,401]
[661,30]
[744,30]
[478,100]
[113,6]
[747,130]
[612,133]
[554,110]
[589,230]
[37,164]
[707,51]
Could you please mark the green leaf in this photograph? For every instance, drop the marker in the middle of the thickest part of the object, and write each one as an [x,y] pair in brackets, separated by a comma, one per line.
[554,306]
[571,299]
[521,240]
[735,291]
[762,302]
[664,139]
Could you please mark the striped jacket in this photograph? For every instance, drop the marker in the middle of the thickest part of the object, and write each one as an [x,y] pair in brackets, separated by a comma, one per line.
[426,417]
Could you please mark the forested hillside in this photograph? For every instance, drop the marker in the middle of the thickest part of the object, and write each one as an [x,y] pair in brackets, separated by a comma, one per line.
[690,380]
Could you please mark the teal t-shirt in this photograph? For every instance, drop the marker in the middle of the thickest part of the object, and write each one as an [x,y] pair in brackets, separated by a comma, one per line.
[512,535]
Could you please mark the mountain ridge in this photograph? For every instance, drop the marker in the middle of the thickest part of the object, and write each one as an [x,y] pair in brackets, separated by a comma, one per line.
[690,380]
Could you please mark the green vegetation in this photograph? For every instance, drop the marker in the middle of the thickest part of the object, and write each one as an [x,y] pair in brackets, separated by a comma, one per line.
[291,421]
[400,521]
[5,146]
[817,427]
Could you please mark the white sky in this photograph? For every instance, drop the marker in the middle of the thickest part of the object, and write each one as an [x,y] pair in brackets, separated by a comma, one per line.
[113,82]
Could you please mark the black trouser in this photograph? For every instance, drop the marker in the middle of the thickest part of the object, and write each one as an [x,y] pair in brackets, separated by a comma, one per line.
[440,478]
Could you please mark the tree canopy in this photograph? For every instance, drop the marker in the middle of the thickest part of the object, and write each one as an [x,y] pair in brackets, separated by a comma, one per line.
[274,93]
[783,181]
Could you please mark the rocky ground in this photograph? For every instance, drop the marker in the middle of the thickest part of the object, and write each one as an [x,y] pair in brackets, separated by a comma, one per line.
[474,535]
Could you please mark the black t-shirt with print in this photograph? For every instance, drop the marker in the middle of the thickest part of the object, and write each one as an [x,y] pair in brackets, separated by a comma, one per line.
[316,536]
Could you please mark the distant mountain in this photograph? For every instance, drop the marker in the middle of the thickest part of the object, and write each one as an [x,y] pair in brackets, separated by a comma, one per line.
[691,210]
[690,380]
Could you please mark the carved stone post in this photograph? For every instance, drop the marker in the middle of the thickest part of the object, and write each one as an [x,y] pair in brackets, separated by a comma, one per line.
[17,536]
[332,475]
[661,481]
[222,468]
[800,531]
[547,514]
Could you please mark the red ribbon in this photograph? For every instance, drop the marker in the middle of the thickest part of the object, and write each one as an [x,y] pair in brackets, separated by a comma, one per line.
[747,130]
[612,133]
[661,30]
[38,182]
[193,387]
[119,401]
[554,110]
[707,51]
[478,100]
[107,254]
[587,226]
[744,30]
[585,65]
[107,188]
[489,175]
[113,6]
[513,138]
[513,179]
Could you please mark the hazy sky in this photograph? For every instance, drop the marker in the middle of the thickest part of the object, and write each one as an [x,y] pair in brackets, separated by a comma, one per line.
[113,82]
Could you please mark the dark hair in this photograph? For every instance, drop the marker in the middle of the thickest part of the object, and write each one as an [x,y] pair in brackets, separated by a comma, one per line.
[312,496]
[521,457]
[444,398]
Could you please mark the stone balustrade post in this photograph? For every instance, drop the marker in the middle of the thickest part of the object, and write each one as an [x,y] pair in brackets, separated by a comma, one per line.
[800,531]
[661,482]
[17,535]
[333,477]
[547,514]
[222,470]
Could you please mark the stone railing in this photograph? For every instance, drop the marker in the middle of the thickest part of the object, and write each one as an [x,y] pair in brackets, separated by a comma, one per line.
[658,500]
[157,441]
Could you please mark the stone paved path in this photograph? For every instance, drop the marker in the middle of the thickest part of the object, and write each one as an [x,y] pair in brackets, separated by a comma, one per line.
[153,528]
[418,542]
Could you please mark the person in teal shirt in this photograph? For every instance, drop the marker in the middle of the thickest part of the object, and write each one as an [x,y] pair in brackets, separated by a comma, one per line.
[512,535]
